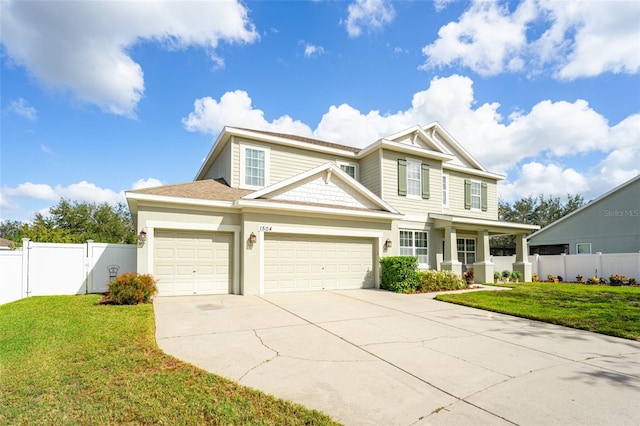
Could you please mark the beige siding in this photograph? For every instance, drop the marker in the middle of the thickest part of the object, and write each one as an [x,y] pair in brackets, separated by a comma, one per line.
[456,197]
[369,172]
[284,161]
[407,205]
[221,167]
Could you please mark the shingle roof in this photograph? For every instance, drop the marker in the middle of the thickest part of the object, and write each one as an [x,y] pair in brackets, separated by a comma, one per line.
[307,140]
[201,190]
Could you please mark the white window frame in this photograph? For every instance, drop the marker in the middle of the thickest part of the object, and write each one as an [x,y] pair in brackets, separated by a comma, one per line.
[476,197]
[413,250]
[243,157]
[578,245]
[348,164]
[418,165]
[445,191]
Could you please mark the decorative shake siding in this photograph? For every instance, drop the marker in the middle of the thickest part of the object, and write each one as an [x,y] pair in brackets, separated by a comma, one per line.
[369,173]
[408,205]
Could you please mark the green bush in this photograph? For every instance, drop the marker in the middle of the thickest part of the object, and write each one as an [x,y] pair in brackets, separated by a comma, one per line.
[439,281]
[131,288]
[399,273]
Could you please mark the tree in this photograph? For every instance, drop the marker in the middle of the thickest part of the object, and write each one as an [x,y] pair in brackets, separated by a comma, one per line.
[532,210]
[75,222]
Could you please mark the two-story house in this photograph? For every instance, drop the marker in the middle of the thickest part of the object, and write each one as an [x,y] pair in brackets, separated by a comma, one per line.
[275,212]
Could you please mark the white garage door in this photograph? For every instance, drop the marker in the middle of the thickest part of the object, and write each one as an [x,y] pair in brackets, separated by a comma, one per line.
[192,262]
[317,263]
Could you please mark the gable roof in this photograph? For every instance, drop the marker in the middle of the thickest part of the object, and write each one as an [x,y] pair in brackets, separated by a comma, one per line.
[588,205]
[328,171]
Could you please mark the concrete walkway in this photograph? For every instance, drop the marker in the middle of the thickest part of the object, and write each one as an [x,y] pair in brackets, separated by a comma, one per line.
[374,357]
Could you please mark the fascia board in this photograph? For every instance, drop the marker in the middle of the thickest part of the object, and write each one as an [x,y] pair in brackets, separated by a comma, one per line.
[470,171]
[164,199]
[266,205]
[459,220]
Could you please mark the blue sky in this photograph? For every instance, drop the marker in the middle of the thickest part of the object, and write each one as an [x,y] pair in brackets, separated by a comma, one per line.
[101,97]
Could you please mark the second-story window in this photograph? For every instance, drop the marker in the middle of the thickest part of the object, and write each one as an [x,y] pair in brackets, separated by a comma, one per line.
[254,167]
[476,195]
[348,168]
[445,190]
[414,186]
[413,179]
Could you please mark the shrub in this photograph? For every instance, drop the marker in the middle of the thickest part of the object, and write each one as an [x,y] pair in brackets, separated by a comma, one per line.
[534,278]
[516,275]
[439,281]
[131,288]
[506,274]
[617,279]
[496,276]
[399,273]
[633,281]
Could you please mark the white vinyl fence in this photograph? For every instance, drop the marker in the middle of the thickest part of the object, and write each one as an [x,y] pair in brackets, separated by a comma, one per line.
[568,266]
[47,269]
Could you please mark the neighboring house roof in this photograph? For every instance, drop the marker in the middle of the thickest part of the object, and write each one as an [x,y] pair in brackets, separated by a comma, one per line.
[586,206]
[5,244]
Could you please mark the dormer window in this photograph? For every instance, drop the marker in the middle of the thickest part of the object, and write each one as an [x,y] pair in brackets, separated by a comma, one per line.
[254,167]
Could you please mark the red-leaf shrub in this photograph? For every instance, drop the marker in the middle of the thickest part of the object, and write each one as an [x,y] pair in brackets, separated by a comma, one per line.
[132,288]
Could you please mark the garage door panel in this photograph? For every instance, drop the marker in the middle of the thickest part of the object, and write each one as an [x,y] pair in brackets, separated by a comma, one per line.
[192,262]
[320,262]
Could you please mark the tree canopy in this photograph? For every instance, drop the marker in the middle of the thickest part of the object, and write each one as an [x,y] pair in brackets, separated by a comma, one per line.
[75,222]
[538,210]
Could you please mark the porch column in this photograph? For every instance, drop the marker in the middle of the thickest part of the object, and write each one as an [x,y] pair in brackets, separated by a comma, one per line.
[522,264]
[483,267]
[450,262]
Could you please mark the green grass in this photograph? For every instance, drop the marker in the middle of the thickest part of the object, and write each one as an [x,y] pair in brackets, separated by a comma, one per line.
[69,360]
[603,309]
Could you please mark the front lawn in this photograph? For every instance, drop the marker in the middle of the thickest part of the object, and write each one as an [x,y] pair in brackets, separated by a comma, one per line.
[69,360]
[603,309]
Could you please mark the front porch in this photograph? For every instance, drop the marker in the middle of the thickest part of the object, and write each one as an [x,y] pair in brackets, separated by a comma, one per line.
[483,268]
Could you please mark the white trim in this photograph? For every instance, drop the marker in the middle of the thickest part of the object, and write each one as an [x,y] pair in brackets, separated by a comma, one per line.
[404,148]
[178,200]
[478,196]
[289,207]
[461,220]
[267,153]
[470,171]
[152,225]
[413,247]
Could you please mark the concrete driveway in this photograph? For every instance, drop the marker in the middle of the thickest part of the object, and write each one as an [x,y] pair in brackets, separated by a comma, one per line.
[374,357]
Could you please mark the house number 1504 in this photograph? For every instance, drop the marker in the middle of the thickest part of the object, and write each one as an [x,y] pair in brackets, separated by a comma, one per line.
[264,228]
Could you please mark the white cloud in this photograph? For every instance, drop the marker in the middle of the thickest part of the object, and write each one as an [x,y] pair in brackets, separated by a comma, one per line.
[235,109]
[527,145]
[82,46]
[146,183]
[22,108]
[577,39]
[550,180]
[368,14]
[310,50]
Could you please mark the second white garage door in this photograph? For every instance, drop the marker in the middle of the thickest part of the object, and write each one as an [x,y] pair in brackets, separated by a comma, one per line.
[192,262]
[295,262]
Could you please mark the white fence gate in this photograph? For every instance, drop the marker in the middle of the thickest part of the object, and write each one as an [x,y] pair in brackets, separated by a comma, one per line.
[46,269]
[568,266]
